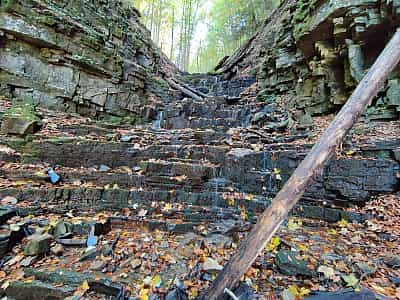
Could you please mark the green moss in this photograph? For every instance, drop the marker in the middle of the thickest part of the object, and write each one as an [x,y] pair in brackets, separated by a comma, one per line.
[304,8]
[28,149]
[7,5]
[46,20]
[128,120]
[92,40]
[23,108]
[265,96]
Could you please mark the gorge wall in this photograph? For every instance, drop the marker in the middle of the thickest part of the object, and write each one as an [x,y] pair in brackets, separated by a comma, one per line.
[313,53]
[89,57]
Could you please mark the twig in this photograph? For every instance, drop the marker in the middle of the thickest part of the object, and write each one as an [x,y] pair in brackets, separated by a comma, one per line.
[231,294]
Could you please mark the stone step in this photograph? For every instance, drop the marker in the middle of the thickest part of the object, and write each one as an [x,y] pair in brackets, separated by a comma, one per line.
[221,124]
[345,178]
[190,169]
[36,175]
[77,152]
[64,199]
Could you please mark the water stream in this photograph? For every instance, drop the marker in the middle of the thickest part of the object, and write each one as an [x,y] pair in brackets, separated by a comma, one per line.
[139,183]
[157,124]
[268,171]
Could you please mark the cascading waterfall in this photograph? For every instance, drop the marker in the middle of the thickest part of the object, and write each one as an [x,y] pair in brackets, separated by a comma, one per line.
[157,124]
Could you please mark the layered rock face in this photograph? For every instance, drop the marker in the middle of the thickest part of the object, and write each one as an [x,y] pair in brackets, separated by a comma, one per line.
[315,52]
[89,57]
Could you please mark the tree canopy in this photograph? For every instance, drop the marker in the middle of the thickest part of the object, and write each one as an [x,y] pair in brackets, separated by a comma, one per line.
[196,34]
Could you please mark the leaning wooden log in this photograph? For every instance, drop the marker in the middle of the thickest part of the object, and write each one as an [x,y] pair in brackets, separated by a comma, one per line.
[190,88]
[185,91]
[302,177]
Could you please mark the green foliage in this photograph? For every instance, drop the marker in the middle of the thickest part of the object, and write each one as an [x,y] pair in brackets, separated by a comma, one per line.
[6,5]
[230,24]
[178,27]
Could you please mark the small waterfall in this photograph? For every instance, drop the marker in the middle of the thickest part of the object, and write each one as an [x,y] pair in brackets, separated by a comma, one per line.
[216,183]
[176,151]
[246,120]
[215,179]
[139,183]
[269,184]
[157,124]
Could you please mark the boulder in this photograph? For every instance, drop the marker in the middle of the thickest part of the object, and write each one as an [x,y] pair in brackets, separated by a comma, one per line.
[211,266]
[37,290]
[57,250]
[20,119]
[62,228]
[288,264]
[38,244]
[19,126]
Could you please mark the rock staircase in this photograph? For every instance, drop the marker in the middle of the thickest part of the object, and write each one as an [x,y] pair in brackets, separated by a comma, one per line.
[199,158]
[196,170]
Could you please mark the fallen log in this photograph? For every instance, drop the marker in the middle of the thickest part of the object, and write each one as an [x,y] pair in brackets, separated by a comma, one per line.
[269,222]
[201,94]
[184,90]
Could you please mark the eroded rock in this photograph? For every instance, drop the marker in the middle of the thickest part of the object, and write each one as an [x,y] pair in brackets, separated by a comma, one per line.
[38,244]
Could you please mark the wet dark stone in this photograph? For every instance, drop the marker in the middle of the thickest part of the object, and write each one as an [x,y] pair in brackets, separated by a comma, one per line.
[37,290]
[177,294]
[347,294]
[245,292]
[288,264]
[6,214]
[107,287]
[395,280]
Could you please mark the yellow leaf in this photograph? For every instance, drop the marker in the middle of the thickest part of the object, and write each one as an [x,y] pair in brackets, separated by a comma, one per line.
[167,207]
[85,285]
[144,294]
[277,171]
[303,248]
[244,215]
[293,290]
[304,292]
[156,281]
[350,152]
[249,197]
[343,223]
[82,289]
[273,244]
[292,225]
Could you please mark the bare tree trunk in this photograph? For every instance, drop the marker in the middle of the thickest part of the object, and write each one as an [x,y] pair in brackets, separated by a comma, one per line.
[302,177]
[172,34]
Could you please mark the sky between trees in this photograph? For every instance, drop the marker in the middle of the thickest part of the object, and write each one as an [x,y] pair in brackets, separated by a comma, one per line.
[197,34]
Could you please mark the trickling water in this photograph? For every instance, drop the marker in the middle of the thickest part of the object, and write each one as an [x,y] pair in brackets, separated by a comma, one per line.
[246,120]
[215,201]
[157,124]
[139,182]
[264,160]
[269,174]
[177,151]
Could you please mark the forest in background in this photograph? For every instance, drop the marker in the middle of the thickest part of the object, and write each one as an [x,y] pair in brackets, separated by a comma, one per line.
[197,34]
